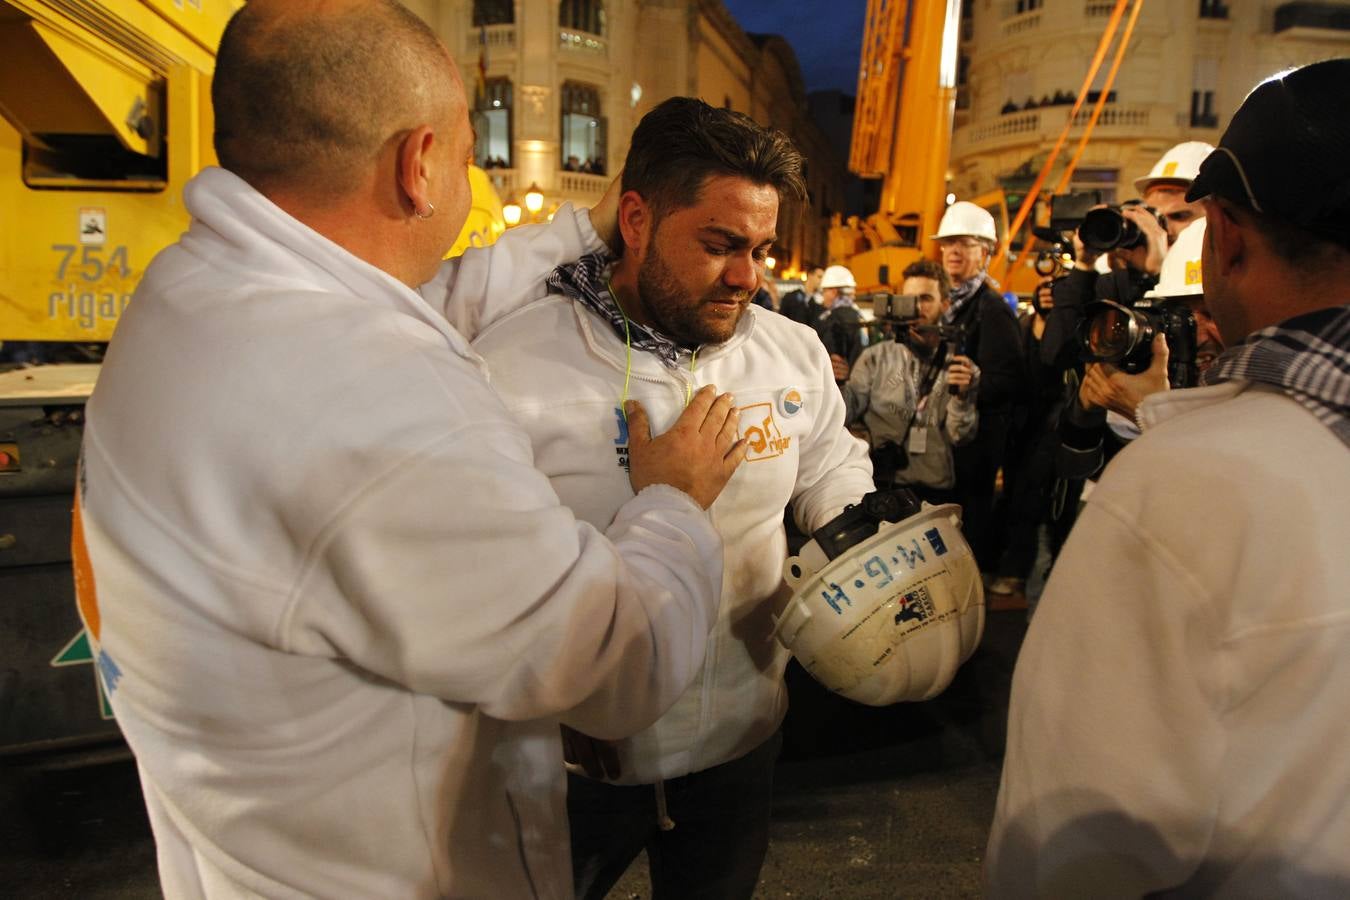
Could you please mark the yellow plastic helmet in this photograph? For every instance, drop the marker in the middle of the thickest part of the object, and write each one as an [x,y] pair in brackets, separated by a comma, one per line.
[892,616]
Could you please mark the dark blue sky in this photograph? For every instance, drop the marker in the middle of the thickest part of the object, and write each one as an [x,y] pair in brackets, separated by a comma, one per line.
[826,35]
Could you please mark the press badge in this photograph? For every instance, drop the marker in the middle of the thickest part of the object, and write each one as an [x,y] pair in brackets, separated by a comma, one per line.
[918,439]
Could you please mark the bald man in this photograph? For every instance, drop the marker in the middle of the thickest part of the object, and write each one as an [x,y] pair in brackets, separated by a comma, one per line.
[338,614]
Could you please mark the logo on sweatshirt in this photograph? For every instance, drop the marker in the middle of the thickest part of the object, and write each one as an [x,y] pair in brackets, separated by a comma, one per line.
[761,432]
[621,439]
[790,402]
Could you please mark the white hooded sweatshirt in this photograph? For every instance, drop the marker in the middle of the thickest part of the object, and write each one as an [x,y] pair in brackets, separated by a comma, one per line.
[561,371]
[338,612]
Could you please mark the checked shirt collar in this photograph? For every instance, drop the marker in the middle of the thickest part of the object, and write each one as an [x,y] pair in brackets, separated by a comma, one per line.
[587,281]
[1308,357]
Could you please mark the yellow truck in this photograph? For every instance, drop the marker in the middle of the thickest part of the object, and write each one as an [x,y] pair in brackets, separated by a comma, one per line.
[105,113]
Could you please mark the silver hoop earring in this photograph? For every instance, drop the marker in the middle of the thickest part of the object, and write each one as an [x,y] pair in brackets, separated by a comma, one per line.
[431,211]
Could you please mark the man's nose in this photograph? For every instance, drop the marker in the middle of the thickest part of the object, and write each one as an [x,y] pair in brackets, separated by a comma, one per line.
[741,273]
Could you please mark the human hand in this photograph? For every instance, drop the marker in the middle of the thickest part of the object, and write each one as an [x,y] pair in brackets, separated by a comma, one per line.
[961,374]
[597,758]
[1083,258]
[840,366]
[697,455]
[1154,234]
[1045,295]
[1106,386]
[605,216]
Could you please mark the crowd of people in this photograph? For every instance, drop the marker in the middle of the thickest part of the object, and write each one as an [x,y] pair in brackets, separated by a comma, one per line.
[443,636]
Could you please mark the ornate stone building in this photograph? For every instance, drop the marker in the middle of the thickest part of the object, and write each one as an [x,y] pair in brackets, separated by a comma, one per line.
[558,86]
[1189,65]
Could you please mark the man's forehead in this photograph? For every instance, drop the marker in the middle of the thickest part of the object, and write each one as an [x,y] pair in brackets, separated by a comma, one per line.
[921,285]
[735,206]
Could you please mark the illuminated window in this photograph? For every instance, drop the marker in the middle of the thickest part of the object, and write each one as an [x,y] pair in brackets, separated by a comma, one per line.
[492,122]
[583,129]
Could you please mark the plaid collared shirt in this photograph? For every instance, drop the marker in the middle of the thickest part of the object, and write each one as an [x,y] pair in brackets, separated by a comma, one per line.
[1308,357]
[587,280]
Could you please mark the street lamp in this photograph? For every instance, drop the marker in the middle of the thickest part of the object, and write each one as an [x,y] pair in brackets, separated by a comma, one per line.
[511,212]
[534,199]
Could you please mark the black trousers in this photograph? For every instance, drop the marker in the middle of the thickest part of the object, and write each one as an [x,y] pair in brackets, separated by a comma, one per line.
[715,850]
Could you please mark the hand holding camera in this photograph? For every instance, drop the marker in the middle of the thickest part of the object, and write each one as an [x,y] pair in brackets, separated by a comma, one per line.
[1110,388]
[961,375]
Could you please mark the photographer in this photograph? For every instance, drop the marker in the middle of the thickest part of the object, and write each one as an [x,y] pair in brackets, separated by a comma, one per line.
[1140,351]
[1134,241]
[1164,188]
[915,396]
[987,334]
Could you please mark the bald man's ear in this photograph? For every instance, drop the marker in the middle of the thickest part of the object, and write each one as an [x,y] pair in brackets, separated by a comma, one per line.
[635,221]
[1225,236]
[414,170]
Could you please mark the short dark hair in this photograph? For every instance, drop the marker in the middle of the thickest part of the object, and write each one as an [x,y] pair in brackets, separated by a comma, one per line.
[1293,244]
[684,141]
[928,268]
[305,101]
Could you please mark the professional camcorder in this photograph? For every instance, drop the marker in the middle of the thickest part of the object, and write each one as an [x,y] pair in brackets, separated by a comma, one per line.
[1123,336]
[888,307]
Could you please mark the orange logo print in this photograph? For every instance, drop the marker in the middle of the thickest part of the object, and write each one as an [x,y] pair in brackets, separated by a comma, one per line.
[86,597]
[762,434]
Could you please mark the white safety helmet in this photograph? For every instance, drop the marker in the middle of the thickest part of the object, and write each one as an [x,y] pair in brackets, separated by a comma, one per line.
[966,219]
[1181,275]
[892,617]
[1180,165]
[837,277]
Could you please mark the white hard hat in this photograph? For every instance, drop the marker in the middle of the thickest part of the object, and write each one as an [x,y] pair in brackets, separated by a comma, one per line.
[1179,165]
[892,617]
[837,277]
[1181,275]
[965,219]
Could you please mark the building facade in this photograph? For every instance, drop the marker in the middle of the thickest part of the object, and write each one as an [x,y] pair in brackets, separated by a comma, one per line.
[1189,65]
[557,87]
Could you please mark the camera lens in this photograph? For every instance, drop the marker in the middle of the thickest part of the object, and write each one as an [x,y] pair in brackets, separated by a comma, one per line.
[1113,331]
[1104,229]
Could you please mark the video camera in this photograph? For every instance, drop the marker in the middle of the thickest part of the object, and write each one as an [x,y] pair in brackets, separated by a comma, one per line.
[900,308]
[1123,336]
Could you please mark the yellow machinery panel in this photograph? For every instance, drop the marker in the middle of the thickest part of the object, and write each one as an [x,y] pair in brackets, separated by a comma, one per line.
[104,119]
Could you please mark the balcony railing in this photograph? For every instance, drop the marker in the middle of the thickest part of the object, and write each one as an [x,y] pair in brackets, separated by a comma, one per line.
[582,185]
[504,180]
[1036,125]
[498,38]
[1094,9]
[1114,116]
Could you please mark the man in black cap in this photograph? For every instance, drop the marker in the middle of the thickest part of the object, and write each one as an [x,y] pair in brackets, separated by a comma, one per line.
[1179,720]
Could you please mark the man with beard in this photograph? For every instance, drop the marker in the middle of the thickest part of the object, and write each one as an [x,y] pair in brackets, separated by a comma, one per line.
[900,390]
[698,213]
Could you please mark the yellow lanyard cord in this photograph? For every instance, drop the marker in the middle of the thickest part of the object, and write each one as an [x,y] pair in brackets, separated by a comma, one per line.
[628,359]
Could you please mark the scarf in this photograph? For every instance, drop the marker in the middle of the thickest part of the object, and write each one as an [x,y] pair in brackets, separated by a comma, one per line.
[960,297]
[587,282]
[1307,357]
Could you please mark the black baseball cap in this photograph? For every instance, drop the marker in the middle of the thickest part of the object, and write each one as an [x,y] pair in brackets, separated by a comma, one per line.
[1284,154]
